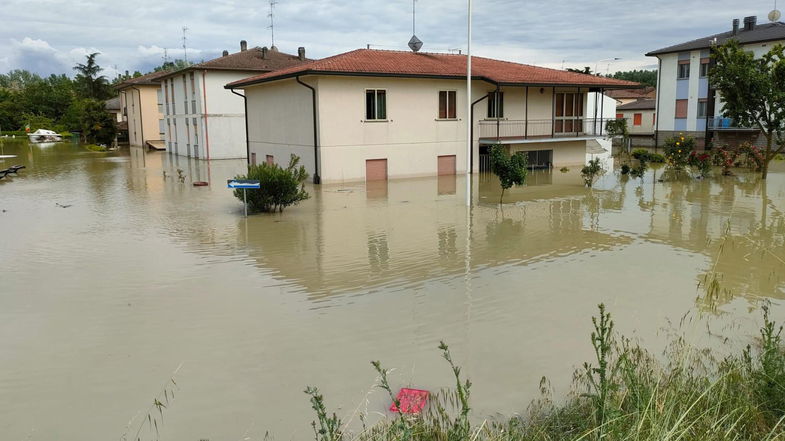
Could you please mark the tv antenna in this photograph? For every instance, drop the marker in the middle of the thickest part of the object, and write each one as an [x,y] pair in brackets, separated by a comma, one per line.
[272,22]
[166,56]
[775,14]
[185,46]
[415,44]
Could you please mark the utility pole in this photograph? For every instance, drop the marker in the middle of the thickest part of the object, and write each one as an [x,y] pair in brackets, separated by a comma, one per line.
[185,46]
[272,22]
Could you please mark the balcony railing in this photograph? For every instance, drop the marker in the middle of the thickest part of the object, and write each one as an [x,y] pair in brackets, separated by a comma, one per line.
[543,129]
[721,123]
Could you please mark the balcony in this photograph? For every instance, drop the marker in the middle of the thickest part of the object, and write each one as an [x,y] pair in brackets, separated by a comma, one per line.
[719,123]
[518,131]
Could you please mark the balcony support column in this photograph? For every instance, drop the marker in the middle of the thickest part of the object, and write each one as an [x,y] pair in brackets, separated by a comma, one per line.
[526,116]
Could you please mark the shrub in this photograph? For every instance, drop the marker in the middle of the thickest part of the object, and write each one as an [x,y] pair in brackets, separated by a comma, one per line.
[95,148]
[656,158]
[641,154]
[700,162]
[511,169]
[280,187]
[753,156]
[591,172]
[678,149]
[625,169]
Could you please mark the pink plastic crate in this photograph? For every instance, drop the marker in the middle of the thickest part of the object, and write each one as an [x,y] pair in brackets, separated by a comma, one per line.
[412,400]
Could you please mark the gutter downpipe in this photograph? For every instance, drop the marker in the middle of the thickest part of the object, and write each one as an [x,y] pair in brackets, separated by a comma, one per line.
[141,117]
[497,99]
[247,141]
[471,129]
[657,106]
[316,178]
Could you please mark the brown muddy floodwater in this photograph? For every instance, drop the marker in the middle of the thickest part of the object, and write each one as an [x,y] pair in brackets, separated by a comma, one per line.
[102,301]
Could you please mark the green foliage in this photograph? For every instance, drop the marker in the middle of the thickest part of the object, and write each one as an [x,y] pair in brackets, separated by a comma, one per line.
[601,379]
[97,125]
[35,122]
[95,148]
[460,427]
[625,169]
[564,169]
[767,369]
[510,169]
[701,162]
[591,172]
[753,92]
[88,83]
[678,149]
[617,128]
[280,187]
[329,427]
[171,66]
[645,77]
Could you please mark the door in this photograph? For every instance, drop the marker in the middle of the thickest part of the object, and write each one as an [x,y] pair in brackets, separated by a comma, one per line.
[446,165]
[376,170]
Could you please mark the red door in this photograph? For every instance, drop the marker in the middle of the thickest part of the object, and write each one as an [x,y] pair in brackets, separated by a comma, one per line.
[376,170]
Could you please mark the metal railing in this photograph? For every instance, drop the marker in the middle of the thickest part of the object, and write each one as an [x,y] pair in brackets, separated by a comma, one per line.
[543,128]
[722,123]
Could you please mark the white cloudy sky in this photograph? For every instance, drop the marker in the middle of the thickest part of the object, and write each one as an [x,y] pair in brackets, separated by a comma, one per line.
[49,36]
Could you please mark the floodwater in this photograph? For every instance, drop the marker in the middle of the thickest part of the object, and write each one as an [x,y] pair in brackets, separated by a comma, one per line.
[141,275]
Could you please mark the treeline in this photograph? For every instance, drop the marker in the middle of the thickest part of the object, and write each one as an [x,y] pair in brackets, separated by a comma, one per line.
[63,104]
[645,77]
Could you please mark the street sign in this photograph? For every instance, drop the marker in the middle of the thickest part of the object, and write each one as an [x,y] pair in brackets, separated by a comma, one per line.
[242,183]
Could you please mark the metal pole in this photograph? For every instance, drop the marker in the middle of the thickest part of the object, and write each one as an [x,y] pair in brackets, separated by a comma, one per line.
[245,202]
[470,124]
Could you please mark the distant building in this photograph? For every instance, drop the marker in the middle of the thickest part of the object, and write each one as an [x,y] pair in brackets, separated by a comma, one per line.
[114,107]
[204,120]
[373,114]
[140,100]
[626,96]
[686,103]
[641,117]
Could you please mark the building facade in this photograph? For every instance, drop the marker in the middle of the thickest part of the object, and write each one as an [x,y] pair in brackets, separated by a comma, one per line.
[641,118]
[685,101]
[371,114]
[140,100]
[201,118]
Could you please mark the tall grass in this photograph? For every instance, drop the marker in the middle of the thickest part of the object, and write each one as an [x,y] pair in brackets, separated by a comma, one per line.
[624,394]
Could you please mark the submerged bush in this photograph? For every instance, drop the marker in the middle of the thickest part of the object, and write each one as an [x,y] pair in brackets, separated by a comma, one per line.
[280,187]
[591,172]
[678,149]
[625,393]
[511,169]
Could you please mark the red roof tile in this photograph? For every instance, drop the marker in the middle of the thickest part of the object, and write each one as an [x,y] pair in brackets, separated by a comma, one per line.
[647,92]
[373,62]
[253,59]
[147,79]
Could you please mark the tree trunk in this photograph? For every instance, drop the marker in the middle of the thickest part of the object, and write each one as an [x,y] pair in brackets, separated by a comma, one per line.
[767,157]
[501,198]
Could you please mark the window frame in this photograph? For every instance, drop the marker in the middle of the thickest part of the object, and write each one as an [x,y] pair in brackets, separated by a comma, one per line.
[447,110]
[703,103]
[686,67]
[376,112]
[637,119]
[492,109]
[704,70]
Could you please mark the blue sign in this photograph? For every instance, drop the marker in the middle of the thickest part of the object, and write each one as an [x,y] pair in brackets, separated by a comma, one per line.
[242,183]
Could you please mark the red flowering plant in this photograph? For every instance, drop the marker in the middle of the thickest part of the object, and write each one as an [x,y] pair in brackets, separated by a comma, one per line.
[725,158]
[753,156]
[701,162]
[678,149]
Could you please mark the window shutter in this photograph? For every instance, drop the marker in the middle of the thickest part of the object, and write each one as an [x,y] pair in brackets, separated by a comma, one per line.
[451,105]
[681,108]
[442,105]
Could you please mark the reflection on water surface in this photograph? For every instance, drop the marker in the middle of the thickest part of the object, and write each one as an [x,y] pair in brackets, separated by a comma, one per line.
[102,300]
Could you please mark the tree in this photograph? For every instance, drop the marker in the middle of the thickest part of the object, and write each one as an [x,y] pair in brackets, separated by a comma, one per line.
[98,126]
[510,169]
[171,66]
[88,81]
[753,92]
[591,172]
[646,77]
[280,187]
[586,70]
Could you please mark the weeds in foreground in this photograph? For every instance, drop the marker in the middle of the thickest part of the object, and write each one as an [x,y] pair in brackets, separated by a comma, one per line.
[627,395]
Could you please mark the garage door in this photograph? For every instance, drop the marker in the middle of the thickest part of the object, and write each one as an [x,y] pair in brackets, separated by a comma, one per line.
[446,165]
[376,170]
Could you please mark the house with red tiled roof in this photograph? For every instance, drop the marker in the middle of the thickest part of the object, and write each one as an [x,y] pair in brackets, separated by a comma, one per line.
[140,99]
[373,114]
[203,120]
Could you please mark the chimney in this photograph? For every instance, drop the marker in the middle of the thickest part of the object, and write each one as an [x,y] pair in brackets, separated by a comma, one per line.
[264,53]
[243,45]
[735,26]
[301,53]
[225,53]
[750,22]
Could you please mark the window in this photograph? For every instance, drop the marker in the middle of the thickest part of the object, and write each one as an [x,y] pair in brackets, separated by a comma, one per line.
[270,159]
[569,113]
[253,158]
[496,105]
[193,85]
[637,119]
[681,108]
[684,70]
[160,98]
[161,127]
[447,104]
[702,108]
[375,104]
[619,116]
[704,69]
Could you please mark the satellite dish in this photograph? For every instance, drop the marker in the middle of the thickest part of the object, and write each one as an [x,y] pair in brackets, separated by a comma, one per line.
[774,15]
[415,44]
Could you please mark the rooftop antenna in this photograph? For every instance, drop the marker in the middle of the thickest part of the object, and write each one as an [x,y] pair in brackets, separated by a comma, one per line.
[166,55]
[185,46]
[272,22]
[775,14]
[414,43]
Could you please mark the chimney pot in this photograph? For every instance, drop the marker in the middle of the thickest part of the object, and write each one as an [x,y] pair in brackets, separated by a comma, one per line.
[750,22]
[264,52]
[735,26]
[301,53]
[243,45]
[225,53]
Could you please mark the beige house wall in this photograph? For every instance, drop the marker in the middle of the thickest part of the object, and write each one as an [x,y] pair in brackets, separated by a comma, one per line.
[647,121]
[140,106]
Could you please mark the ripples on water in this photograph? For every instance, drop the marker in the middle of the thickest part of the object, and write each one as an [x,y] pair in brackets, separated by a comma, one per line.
[101,301]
